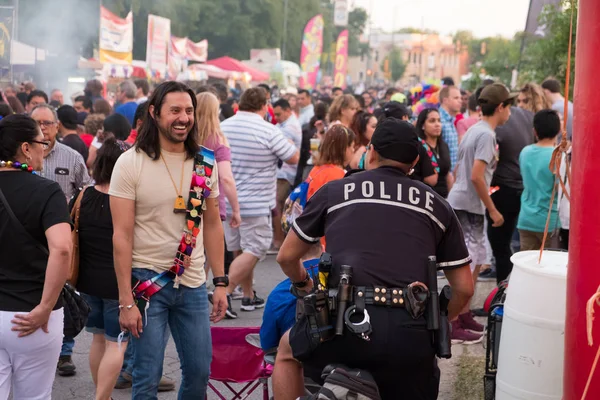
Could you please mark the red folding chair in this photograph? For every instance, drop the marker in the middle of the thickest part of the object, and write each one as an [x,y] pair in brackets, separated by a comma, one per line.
[237,362]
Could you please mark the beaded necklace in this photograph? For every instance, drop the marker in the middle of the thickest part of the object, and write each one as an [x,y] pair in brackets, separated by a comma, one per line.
[17,165]
[198,193]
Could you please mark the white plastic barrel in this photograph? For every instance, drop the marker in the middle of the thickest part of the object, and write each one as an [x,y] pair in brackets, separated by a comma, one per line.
[530,363]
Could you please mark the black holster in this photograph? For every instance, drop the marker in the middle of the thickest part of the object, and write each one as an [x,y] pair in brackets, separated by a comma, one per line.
[442,337]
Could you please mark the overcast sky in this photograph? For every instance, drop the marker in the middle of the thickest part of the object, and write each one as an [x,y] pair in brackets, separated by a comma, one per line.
[482,17]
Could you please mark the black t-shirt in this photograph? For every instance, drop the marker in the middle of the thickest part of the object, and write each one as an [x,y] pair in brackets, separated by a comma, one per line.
[512,137]
[442,154]
[385,225]
[423,167]
[226,111]
[77,144]
[38,204]
[96,268]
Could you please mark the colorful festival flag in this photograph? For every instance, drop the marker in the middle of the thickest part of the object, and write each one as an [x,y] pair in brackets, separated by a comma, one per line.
[341,60]
[310,54]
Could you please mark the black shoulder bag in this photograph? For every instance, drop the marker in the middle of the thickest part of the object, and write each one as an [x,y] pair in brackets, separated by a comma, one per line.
[76,310]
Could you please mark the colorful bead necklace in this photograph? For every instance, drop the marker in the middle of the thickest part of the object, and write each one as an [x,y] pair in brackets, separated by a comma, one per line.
[16,165]
[199,191]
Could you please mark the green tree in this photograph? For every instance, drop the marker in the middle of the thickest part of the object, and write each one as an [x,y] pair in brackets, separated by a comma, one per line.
[232,27]
[357,21]
[395,63]
[547,56]
[501,57]
[417,30]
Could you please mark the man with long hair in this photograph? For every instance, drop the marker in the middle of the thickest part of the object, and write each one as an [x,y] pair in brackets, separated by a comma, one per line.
[149,203]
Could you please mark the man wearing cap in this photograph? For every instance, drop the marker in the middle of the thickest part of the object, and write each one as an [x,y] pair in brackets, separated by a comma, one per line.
[385,226]
[67,130]
[470,195]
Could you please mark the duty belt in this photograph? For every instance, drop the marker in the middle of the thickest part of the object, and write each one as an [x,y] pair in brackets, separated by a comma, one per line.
[413,297]
[380,296]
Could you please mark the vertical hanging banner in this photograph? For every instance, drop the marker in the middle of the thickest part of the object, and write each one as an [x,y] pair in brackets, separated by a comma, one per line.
[157,48]
[116,38]
[341,60]
[310,54]
[7,15]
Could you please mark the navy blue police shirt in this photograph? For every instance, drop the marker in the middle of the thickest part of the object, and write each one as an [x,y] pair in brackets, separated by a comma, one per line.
[385,226]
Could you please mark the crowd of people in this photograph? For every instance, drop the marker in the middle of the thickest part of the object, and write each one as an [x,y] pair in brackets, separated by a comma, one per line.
[113,171]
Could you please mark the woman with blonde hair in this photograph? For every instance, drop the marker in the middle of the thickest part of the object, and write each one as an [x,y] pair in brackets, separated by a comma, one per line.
[532,98]
[342,110]
[211,136]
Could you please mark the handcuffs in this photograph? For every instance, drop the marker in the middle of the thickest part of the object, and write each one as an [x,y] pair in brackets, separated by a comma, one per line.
[361,329]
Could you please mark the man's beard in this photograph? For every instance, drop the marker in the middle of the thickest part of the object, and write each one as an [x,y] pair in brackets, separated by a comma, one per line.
[174,135]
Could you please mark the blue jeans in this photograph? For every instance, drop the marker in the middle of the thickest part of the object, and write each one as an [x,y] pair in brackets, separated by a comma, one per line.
[130,354]
[185,310]
[67,346]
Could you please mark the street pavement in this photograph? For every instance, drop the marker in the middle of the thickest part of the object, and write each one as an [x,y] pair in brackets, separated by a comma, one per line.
[267,275]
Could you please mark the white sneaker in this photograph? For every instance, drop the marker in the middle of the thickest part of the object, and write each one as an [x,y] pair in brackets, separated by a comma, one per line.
[237,293]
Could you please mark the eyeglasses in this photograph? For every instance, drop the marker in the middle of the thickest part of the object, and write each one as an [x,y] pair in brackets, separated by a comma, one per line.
[45,124]
[45,145]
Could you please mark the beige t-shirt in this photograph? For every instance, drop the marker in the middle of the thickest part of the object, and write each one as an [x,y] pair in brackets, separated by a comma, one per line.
[158,230]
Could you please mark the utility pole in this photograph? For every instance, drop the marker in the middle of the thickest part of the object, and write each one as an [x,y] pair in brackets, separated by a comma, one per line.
[367,76]
[16,21]
[285,13]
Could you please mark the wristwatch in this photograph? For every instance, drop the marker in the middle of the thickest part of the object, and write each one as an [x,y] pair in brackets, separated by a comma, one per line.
[303,282]
[221,281]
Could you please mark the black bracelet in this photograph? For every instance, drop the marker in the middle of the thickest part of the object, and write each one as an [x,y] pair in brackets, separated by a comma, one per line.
[302,283]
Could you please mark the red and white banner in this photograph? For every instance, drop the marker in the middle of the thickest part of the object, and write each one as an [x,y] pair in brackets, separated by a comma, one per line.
[116,38]
[341,60]
[183,50]
[157,49]
[177,56]
[197,51]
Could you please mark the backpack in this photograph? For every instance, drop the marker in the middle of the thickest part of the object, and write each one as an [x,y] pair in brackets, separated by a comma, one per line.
[294,205]
[342,383]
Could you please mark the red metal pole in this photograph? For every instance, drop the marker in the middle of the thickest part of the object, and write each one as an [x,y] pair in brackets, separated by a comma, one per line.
[583,276]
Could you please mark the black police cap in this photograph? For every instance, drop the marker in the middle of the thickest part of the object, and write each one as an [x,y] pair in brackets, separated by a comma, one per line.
[396,140]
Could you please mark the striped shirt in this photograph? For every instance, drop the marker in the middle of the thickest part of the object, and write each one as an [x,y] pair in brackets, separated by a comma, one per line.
[292,131]
[256,146]
[450,136]
[66,167]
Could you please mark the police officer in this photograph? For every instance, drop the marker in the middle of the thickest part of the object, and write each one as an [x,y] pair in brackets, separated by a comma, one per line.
[385,226]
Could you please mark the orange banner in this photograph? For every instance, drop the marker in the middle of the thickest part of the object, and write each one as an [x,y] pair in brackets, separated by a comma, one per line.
[341,60]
